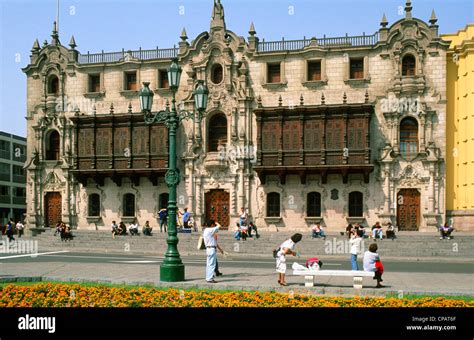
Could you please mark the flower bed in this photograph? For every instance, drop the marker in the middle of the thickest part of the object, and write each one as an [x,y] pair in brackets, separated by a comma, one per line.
[76,295]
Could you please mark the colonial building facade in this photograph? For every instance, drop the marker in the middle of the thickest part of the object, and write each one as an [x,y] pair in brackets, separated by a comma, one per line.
[335,130]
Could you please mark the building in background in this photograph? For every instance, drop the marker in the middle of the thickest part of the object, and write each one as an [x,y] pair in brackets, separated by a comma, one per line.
[12,177]
[460,129]
[336,130]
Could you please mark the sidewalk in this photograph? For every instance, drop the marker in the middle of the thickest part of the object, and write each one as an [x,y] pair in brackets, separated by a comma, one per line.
[237,278]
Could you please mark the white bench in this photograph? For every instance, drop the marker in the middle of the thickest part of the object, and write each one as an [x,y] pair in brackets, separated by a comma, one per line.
[309,275]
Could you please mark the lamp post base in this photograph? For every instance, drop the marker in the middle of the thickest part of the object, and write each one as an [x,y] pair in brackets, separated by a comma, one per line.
[172,272]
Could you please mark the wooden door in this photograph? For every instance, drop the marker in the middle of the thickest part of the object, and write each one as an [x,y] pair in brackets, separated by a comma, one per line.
[52,207]
[408,209]
[217,207]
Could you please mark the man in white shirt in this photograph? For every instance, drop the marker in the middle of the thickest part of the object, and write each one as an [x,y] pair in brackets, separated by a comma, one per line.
[286,248]
[20,227]
[355,241]
[210,241]
[133,229]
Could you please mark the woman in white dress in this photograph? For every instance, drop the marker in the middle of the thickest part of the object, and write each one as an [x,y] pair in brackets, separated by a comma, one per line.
[286,248]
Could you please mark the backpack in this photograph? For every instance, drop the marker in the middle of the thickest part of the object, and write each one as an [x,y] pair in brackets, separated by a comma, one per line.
[275,252]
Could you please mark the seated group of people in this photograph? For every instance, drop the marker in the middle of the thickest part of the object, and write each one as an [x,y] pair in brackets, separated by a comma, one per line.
[242,231]
[121,229]
[243,228]
[64,231]
[377,231]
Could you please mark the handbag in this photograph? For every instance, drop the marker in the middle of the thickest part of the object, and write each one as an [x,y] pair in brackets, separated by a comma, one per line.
[201,245]
[379,267]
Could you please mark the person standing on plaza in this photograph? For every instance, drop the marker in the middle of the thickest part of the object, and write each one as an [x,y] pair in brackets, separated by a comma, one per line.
[10,230]
[20,227]
[355,243]
[163,213]
[186,217]
[210,241]
[286,248]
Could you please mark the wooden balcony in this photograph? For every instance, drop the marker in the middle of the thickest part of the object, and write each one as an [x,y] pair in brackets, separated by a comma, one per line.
[323,139]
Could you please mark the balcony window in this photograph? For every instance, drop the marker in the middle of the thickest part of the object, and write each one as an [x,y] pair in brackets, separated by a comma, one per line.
[314,70]
[355,204]
[131,81]
[94,205]
[52,146]
[409,138]
[94,82]
[274,73]
[408,65]
[163,79]
[313,208]
[356,68]
[273,204]
[129,205]
[217,132]
[53,85]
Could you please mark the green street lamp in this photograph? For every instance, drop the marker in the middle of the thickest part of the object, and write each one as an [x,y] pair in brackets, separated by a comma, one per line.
[172,268]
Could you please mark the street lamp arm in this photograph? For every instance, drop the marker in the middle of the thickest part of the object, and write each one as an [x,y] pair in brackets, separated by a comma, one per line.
[182,115]
[157,117]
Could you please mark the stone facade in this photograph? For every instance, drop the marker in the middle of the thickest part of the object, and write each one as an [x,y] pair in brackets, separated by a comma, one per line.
[244,88]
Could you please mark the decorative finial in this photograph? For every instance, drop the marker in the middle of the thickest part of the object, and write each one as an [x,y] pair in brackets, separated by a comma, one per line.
[252,31]
[366,96]
[280,101]
[167,105]
[344,98]
[301,100]
[45,43]
[184,36]
[384,21]
[55,35]
[408,9]
[111,109]
[130,107]
[36,47]
[94,110]
[77,111]
[259,101]
[433,18]
[323,99]
[72,43]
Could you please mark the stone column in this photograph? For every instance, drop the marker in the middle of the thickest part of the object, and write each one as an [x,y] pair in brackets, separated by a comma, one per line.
[422,130]
[241,187]
[199,193]
[431,192]
[386,207]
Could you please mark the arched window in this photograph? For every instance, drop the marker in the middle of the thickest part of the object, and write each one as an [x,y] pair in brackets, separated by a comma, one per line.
[217,134]
[217,74]
[313,204]
[163,200]
[53,85]
[409,137]
[273,204]
[129,205]
[94,205]
[408,65]
[52,146]
[355,204]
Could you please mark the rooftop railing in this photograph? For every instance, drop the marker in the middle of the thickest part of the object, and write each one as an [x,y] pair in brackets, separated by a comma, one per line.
[294,45]
[112,57]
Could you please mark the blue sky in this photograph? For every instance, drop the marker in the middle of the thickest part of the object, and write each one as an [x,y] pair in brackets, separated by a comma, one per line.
[110,25]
